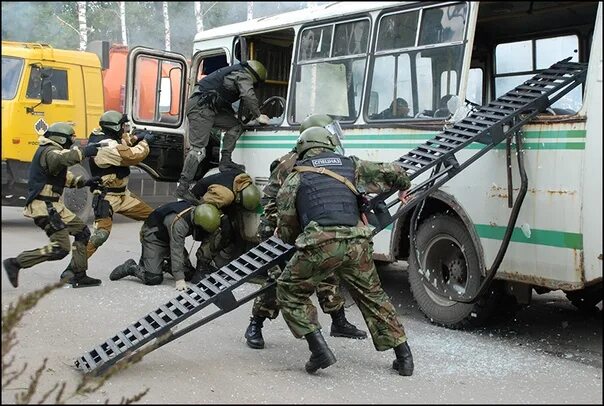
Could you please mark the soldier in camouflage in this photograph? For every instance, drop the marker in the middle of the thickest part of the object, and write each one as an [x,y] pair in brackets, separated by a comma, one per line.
[48,177]
[318,212]
[328,290]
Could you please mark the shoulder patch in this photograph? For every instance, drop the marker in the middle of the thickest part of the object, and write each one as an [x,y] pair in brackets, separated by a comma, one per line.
[326,162]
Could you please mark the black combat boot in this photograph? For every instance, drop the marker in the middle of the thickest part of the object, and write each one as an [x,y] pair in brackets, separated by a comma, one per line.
[81,280]
[340,327]
[404,360]
[253,334]
[12,267]
[227,163]
[321,356]
[182,192]
[67,274]
[123,270]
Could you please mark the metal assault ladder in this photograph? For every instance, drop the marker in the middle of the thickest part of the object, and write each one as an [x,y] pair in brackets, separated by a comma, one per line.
[489,125]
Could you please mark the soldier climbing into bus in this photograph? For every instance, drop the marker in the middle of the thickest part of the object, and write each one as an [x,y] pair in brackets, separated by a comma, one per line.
[209,106]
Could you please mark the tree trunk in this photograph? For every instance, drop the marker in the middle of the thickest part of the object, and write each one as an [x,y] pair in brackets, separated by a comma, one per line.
[166,25]
[83,28]
[198,16]
[250,10]
[123,22]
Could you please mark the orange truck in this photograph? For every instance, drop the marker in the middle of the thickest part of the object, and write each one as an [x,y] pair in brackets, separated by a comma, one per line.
[84,85]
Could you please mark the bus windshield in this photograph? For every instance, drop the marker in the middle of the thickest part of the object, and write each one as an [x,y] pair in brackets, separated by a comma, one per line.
[11,73]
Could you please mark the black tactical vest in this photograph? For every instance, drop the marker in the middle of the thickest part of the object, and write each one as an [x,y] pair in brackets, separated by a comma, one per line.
[225,179]
[120,171]
[214,82]
[324,199]
[157,216]
[39,176]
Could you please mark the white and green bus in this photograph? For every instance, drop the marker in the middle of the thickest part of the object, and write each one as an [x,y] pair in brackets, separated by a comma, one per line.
[395,73]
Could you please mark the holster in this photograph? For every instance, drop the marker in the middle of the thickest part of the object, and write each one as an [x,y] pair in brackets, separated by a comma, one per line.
[54,219]
[102,208]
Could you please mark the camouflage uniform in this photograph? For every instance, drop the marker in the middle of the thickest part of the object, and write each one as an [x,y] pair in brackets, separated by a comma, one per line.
[347,250]
[118,198]
[54,160]
[328,293]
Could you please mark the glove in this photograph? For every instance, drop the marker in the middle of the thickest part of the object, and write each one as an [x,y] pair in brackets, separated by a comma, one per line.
[92,182]
[146,136]
[263,119]
[181,285]
[91,149]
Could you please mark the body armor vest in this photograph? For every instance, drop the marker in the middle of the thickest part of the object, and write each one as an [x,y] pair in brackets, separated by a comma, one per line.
[39,176]
[157,216]
[120,171]
[225,179]
[324,199]
[214,83]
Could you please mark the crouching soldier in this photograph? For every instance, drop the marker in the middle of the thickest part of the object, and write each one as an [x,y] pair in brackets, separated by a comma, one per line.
[163,234]
[231,191]
[48,177]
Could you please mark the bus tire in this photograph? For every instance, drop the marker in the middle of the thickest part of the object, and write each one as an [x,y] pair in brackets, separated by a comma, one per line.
[586,299]
[79,201]
[446,245]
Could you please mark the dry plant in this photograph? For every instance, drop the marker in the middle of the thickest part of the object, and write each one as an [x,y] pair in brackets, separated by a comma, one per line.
[88,384]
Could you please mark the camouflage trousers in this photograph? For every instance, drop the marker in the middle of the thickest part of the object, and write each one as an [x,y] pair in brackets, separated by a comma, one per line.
[352,261]
[328,293]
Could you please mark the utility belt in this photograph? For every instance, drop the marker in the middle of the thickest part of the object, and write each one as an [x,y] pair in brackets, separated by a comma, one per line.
[115,189]
[211,99]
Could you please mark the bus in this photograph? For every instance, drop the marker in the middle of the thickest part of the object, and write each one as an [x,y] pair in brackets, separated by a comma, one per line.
[395,74]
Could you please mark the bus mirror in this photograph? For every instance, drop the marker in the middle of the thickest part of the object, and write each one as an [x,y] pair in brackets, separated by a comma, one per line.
[45,87]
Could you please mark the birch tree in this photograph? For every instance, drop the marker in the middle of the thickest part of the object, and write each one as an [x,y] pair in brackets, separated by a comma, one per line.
[123,22]
[198,16]
[83,29]
[166,25]
[250,10]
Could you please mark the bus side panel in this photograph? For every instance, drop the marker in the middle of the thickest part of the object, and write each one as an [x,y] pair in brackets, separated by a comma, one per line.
[546,245]
[592,175]
[93,87]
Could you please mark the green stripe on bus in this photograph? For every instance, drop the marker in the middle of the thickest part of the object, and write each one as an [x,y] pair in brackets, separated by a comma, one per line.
[561,239]
[556,134]
[349,146]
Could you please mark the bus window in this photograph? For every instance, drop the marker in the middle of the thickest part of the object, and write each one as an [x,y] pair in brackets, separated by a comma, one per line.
[417,64]
[474,88]
[516,62]
[330,70]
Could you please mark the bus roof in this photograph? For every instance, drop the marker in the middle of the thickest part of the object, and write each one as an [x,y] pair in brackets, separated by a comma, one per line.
[334,9]
[44,52]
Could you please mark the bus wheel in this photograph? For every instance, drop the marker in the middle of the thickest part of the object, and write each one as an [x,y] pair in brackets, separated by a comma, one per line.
[586,299]
[447,250]
[79,201]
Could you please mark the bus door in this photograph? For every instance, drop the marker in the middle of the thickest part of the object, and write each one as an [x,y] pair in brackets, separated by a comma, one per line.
[156,96]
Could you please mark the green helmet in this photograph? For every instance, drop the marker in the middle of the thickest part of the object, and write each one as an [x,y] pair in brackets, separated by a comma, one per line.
[61,133]
[112,120]
[207,216]
[316,137]
[250,197]
[331,125]
[258,69]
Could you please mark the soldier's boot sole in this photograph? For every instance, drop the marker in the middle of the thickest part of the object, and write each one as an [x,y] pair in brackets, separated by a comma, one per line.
[322,361]
[406,370]
[84,281]
[12,271]
[353,333]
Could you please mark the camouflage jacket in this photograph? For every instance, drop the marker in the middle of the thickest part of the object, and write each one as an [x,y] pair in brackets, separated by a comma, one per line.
[268,219]
[370,177]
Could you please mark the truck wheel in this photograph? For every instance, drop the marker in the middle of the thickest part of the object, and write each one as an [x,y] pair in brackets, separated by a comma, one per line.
[586,299]
[444,246]
[79,201]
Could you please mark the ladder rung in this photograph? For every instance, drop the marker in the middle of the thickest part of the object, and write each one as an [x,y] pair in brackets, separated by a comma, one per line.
[89,360]
[250,260]
[470,126]
[460,134]
[189,299]
[125,340]
[161,322]
[261,255]
[445,143]
[205,282]
[533,88]
[541,83]
[136,333]
[552,77]
[202,295]
[518,99]
[113,347]
[241,267]
[270,249]
[221,280]
[101,353]
[492,116]
[504,104]
[497,110]
[435,148]
[416,160]
[409,166]
[472,119]
[168,312]
[423,154]
[147,326]
[455,137]
[230,273]
[179,306]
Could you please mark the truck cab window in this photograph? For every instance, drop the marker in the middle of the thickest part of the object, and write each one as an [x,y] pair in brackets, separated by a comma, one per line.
[11,73]
[58,78]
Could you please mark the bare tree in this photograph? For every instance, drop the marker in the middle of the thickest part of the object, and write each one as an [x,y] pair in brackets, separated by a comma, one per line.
[123,22]
[198,16]
[166,25]
[83,31]
[250,10]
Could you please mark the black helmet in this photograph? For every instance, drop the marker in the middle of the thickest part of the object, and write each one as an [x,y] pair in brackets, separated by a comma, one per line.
[62,133]
[111,121]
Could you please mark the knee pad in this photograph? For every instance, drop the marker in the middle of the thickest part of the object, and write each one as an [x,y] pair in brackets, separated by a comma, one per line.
[153,278]
[83,236]
[99,237]
[57,253]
